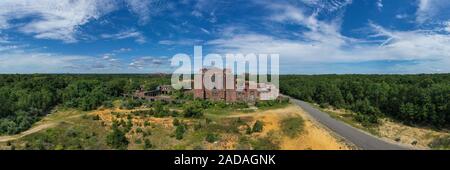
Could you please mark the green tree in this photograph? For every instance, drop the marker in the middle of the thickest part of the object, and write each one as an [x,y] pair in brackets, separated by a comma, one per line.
[117,139]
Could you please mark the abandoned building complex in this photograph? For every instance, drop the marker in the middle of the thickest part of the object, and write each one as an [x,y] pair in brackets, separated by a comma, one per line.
[162,92]
[237,93]
[243,92]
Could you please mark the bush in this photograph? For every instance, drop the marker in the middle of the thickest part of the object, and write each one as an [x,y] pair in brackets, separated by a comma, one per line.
[366,120]
[265,143]
[272,103]
[258,126]
[292,126]
[139,130]
[130,104]
[239,105]
[147,144]
[108,104]
[211,137]
[138,141]
[117,140]
[176,122]
[248,130]
[440,143]
[179,132]
[193,112]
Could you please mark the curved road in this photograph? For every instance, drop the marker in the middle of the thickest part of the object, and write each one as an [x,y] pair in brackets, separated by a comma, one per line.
[357,137]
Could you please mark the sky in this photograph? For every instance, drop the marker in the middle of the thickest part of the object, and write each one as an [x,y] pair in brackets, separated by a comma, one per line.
[141,36]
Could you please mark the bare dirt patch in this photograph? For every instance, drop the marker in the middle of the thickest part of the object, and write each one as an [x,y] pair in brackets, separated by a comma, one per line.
[397,132]
[419,137]
[313,136]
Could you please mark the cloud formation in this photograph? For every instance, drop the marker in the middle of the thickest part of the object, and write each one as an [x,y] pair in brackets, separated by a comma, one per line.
[49,19]
[323,43]
[138,36]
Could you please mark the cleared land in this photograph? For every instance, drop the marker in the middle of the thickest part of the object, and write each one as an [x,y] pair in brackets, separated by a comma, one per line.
[73,129]
[419,137]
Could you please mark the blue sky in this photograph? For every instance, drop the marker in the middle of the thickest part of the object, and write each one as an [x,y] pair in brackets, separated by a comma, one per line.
[311,36]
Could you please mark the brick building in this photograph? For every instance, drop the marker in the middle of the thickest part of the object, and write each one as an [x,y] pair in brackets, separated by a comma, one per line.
[246,94]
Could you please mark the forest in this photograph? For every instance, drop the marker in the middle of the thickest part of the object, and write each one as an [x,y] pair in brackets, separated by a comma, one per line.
[24,99]
[411,99]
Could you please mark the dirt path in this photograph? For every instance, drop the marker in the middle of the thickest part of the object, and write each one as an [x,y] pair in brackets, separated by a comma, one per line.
[28,132]
[41,125]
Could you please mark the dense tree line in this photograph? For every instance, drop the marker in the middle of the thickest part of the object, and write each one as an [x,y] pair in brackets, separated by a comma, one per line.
[422,99]
[414,99]
[26,98]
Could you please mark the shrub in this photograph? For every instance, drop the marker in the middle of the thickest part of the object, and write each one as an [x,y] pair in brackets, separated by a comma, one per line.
[128,125]
[258,126]
[138,141]
[108,104]
[147,144]
[130,104]
[179,132]
[176,122]
[193,112]
[138,130]
[292,126]
[440,143]
[265,143]
[211,137]
[248,130]
[366,120]
[117,139]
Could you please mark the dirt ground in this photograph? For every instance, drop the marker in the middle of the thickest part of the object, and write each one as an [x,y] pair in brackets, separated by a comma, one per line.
[314,136]
[417,137]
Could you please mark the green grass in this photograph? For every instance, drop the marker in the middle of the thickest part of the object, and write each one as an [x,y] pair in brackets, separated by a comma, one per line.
[292,127]
[441,143]
[264,143]
[76,134]
[77,130]
[349,118]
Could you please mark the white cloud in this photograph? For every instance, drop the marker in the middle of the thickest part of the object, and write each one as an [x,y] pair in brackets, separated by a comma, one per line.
[150,63]
[18,61]
[138,36]
[447,26]
[323,43]
[196,13]
[206,9]
[146,9]
[23,59]
[401,16]
[186,42]
[122,50]
[3,39]
[380,5]
[327,5]
[425,47]
[429,10]
[140,8]
[59,20]
[205,31]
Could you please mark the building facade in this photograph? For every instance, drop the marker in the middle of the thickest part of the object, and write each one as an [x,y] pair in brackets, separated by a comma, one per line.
[237,93]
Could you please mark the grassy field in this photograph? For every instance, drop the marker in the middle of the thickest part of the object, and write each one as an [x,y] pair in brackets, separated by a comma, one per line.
[269,128]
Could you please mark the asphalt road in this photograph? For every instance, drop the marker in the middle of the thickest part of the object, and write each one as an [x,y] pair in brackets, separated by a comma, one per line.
[357,137]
